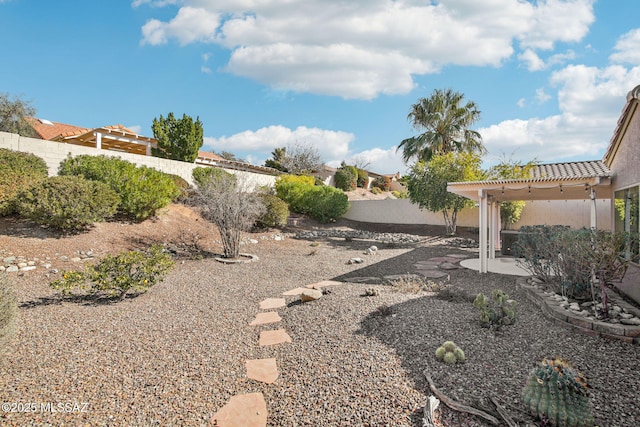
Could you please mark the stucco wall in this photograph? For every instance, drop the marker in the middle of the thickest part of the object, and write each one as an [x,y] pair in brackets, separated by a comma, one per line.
[55,152]
[626,162]
[575,213]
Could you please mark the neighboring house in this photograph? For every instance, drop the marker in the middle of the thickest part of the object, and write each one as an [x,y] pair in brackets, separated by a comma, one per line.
[394,177]
[616,178]
[115,138]
[206,158]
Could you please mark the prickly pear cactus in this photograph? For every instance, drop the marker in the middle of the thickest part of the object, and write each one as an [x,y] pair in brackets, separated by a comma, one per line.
[558,394]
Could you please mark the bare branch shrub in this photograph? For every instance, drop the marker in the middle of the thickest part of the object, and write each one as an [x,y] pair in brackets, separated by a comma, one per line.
[301,158]
[225,201]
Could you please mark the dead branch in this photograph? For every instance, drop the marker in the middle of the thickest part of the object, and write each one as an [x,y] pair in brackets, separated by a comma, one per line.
[459,406]
[503,413]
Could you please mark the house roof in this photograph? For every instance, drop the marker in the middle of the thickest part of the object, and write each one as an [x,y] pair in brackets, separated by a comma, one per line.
[48,130]
[633,100]
[206,158]
[551,181]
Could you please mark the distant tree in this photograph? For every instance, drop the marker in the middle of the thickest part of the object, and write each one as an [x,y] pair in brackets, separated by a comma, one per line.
[229,156]
[428,181]
[361,162]
[301,158]
[178,139]
[346,177]
[446,121]
[13,115]
[511,211]
[277,159]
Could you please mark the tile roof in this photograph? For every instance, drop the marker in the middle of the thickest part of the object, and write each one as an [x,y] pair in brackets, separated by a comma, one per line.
[633,98]
[49,130]
[571,170]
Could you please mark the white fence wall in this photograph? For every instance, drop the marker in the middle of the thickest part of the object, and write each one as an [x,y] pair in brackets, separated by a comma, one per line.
[575,213]
[55,152]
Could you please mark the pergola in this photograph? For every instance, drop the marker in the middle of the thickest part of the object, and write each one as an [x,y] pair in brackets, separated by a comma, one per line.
[116,138]
[554,181]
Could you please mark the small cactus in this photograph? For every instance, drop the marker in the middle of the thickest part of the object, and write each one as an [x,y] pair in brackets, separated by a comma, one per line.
[498,311]
[450,353]
[558,393]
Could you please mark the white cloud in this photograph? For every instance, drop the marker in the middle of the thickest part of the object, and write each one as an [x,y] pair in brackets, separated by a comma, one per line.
[521,102]
[136,129]
[360,49]
[590,100]
[332,145]
[380,160]
[542,96]
[532,60]
[628,48]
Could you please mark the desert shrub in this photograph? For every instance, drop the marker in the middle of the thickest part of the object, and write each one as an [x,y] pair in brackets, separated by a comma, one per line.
[8,310]
[497,311]
[115,276]
[291,189]
[326,204]
[142,190]
[376,190]
[567,260]
[19,172]
[182,185]
[201,175]
[346,178]
[455,295]
[276,214]
[415,285]
[363,178]
[67,203]
[382,182]
[400,194]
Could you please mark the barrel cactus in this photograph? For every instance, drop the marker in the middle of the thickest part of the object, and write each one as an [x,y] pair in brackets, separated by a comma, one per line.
[558,394]
[450,353]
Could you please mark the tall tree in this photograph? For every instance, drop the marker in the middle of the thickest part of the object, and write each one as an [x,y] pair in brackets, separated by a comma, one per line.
[13,115]
[445,119]
[278,156]
[427,184]
[301,158]
[178,139]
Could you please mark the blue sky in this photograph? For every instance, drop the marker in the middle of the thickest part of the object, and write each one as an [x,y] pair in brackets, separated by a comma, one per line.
[550,76]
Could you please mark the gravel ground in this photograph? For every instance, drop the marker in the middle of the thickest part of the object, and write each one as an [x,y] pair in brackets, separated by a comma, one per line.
[175,355]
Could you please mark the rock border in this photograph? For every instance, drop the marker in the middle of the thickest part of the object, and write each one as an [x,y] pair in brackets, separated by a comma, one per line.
[248,258]
[553,311]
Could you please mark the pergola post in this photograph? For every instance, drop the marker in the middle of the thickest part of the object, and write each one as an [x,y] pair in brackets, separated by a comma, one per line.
[484,262]
[594,209]
[148,148]
[98,140]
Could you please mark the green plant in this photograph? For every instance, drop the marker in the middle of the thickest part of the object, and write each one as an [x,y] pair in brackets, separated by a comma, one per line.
[203,174]
[400,194]
[376,190]
[19,172]
[178,139]
[115,276]
[498,311]
[450,353]
[276,213]
[182,185]
[558,394]
[363,178]
[8,309]
[68,203]
[382,182]
[325,204]
[346,178]
[142,190]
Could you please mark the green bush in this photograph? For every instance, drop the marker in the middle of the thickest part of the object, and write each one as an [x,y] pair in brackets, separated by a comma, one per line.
[8,309]
[115,276]
[496,312]
[142,190]
[363,178]
[19,172]
[292,188]
[201,175]
[346,178]
[276,214]
[376,190]
[325,204]
[68,203]
[382,182]
[182,185]
[400,194]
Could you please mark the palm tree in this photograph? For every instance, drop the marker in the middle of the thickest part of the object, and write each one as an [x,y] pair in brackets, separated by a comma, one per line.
[446,122]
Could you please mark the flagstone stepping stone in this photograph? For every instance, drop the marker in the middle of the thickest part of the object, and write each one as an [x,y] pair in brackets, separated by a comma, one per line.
[426,264]
[274,337]
[458,256]
[324,284]
[264,318]
[296,291]
[444,259]
[263,370]
[271,303]
[434,274]
[448,266]
[244,410]
[370,280]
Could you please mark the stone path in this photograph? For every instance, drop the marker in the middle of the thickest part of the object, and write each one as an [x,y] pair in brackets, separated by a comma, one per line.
[250,410]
